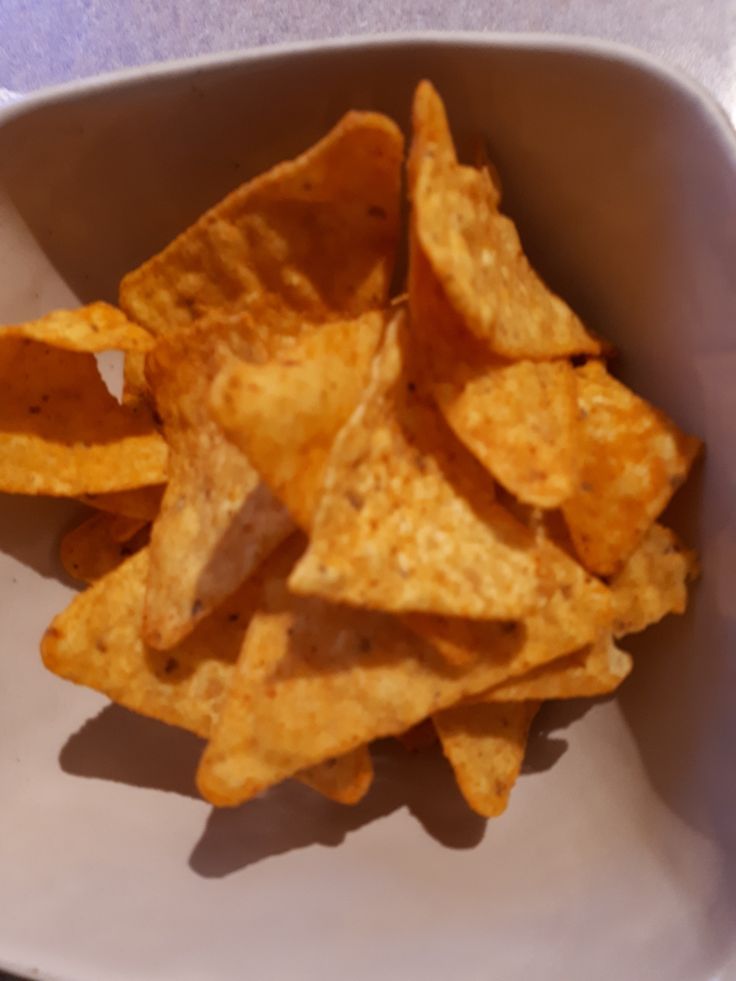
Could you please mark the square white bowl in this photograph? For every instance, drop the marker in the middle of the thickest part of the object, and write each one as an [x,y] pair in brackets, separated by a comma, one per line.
[616,860]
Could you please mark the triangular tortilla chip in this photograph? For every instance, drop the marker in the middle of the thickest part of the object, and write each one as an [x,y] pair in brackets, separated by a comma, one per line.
[96,642]
[476,254]
[569,619]
[653,581]
[520,419]
[284,414]
[218,520]
[485,744]
[94,328]
[61,431]
[406,520]
[312,240]
[315,236]
[633,459]
[431,138]
[315,680]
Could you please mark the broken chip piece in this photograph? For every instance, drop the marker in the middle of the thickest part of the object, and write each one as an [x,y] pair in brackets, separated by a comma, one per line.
[652,582]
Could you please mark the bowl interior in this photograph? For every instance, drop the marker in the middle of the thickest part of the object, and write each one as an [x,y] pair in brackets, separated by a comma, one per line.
[617,857]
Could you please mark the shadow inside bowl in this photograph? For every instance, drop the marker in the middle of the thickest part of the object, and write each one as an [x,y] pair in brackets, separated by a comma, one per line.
[121,746]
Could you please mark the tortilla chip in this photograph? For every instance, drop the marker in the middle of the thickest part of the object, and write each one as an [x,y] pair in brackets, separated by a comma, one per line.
[218,520]
[653,581]
[476,254]
[314,237]
[520,419]
[485,744]
[316,680]
[99,544]
[344,779]
[575,614]
[62,433]
[94,328]
[284,414]
[571,617]
[633,458]
[431,138]
[136,392]
[143,502]
[596,670]
[97,642]
[406,520]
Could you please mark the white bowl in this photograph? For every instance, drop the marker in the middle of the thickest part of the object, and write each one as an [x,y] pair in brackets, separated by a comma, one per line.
[617,858]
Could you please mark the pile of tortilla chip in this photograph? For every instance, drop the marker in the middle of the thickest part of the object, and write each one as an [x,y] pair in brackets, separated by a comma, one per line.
[322,516]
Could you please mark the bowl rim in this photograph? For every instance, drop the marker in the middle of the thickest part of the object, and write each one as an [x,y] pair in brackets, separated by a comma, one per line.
[605,50]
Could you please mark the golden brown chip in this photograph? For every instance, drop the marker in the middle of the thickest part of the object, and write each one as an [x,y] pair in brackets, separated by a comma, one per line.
[94,328]
[99,544]
[284,414]
[633,458]
[407,521]
[520,419]
[653,581]
[315,680]
[62,433]
[431,138]
[571,616]
[136,392]
[485,744]
[143,502]
[596,670]
[314,237]
[476,254]
[344,779]
[218,520]
[97,642]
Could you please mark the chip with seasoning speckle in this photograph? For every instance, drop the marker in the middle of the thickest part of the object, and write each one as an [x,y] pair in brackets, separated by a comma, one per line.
[417,515]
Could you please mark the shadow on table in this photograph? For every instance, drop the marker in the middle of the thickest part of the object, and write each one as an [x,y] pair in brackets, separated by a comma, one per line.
[123,747]
[31,529]
[126,748]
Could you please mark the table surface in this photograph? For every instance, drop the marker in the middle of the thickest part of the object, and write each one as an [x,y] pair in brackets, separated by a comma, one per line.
[43,42]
